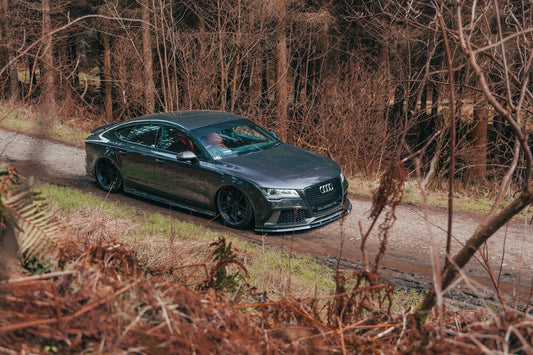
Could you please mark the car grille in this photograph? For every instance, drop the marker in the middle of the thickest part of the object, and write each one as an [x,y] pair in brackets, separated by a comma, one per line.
[291,216]
[322,201]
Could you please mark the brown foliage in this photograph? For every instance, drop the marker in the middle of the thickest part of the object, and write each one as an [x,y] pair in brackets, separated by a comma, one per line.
[343,119]
[89,310]
[371,292]
[103,303]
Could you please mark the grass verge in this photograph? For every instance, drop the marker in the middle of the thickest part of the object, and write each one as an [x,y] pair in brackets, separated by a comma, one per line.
[269,268]
[24,121]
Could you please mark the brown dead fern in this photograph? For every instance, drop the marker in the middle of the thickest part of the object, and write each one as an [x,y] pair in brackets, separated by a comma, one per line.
[385,198]
[39,235]
[356,294]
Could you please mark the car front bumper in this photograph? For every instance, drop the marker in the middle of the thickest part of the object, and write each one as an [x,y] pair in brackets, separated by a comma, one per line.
[276,223]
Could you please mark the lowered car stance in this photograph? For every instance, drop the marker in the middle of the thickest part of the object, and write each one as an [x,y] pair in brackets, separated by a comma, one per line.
[218,164]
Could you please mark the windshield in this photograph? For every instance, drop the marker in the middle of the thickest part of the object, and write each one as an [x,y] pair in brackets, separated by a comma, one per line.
[234,138]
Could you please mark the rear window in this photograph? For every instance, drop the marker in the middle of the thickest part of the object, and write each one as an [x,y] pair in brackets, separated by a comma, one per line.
[144,134]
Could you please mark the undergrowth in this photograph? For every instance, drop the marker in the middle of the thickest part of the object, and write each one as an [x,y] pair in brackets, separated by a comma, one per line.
[269,268]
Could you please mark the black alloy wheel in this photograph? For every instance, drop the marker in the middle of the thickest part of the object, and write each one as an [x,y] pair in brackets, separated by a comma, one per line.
[234,207]
[107,176]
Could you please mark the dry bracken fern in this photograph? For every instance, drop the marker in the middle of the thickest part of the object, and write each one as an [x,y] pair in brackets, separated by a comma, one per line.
[38,235]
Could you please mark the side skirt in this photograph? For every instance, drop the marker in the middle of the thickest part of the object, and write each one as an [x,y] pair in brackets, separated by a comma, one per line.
[168,202]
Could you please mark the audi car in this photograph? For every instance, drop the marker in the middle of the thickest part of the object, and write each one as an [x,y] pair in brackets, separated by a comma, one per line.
[221,165]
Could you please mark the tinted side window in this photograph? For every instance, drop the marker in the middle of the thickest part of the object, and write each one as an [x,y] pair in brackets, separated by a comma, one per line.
[144,134]
[174,140]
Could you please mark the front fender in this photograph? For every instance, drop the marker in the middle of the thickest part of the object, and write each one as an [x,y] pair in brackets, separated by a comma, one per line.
[253,192]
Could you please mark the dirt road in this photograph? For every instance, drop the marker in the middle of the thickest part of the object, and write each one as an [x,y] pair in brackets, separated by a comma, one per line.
[409,249]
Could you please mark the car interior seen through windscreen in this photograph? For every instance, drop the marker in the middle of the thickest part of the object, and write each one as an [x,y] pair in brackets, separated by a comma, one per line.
[234,138]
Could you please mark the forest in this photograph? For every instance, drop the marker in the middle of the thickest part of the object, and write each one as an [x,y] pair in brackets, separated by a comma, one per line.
[360,81]
[437,90]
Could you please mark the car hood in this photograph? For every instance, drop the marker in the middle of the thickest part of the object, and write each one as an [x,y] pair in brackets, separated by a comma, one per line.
[283,166]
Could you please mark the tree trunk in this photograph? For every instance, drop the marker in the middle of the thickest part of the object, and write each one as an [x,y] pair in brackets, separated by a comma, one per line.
[149,88]
[434,102]
[4,57]
[223,72]
[397,110]
[48,93]
[478,161]
[236,79]
[107,83]
[281,72]
[13,77]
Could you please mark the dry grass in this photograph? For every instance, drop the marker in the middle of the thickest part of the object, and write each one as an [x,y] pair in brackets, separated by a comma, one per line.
[103,305]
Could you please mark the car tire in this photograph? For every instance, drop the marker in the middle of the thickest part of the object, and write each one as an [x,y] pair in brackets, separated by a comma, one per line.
[107,176]
[234,207]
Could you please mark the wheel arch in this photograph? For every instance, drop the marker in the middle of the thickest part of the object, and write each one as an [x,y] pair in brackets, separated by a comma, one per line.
[242,187]
[109,158]
[113,162]
[252,193]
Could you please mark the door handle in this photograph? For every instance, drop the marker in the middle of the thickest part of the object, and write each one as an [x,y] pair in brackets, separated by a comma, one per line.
[160,161]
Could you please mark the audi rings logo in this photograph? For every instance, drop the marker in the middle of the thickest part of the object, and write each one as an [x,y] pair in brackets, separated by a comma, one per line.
[324,189]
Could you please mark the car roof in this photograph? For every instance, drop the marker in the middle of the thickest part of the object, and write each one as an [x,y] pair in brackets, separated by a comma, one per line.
[192,119]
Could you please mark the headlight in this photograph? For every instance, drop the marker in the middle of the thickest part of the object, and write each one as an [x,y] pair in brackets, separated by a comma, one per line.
[343,178]
[276,194]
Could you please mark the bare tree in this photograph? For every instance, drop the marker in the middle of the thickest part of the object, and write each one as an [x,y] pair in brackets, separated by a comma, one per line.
[9,81]
[514,74]
[281,70]
[49,90]
[396,38]
[107,82]
[149,86]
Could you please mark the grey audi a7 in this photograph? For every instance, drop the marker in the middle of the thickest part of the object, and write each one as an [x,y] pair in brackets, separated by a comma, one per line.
[218,164]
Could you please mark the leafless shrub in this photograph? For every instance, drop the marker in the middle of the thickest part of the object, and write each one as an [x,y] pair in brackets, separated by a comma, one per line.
[341,120]
[86,309]
[198,71]
[369,292]
[385,198]
[128,85]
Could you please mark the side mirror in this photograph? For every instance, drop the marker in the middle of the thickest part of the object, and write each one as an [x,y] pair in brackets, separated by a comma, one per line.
[187,156]
[274,134]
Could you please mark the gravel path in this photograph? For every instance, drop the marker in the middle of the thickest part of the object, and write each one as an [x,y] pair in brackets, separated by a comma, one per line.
[46,157]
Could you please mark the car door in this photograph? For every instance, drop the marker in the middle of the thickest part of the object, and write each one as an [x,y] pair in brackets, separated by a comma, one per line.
[135,155]
[179,180]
